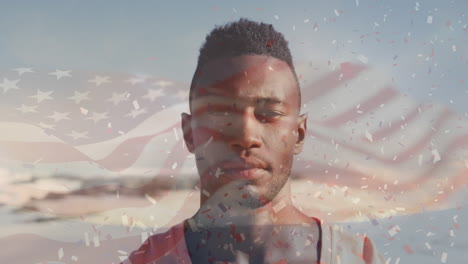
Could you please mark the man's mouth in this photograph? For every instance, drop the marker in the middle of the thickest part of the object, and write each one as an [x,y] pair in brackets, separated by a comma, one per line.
[244,173]
[244,169]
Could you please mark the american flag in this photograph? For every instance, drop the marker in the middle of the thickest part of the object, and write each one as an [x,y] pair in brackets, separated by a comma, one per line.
[101,121]
[371,150]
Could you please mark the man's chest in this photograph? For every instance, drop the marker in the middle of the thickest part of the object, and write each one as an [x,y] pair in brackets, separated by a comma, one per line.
[279,244]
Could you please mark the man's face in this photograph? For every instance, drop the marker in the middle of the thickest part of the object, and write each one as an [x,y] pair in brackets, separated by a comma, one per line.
[245,124]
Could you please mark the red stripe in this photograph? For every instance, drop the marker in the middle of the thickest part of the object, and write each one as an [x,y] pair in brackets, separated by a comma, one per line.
[331,81]
[396,125]
[368,105]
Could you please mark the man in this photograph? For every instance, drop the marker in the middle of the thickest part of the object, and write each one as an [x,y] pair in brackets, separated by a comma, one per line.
[244,128]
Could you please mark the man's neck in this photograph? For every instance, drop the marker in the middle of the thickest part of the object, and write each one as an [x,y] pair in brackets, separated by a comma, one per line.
[219,211]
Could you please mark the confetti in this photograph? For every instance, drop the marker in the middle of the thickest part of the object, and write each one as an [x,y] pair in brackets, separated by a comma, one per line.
[84,111]
[222,207]
[96,241]
[363,58]
[205,192]
[86,239]
[436,155]
[394,230]
[428,246]
[60,253]
[443,259]
[369,136]
[429,20]
[149,198]
[124,220]
[136,105]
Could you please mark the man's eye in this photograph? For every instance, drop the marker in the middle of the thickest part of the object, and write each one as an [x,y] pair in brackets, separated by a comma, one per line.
[266,116]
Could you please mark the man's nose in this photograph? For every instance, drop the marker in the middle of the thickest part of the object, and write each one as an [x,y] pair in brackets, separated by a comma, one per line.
[245,132]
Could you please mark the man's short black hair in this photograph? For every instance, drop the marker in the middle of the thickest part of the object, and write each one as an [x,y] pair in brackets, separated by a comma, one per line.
[243,37]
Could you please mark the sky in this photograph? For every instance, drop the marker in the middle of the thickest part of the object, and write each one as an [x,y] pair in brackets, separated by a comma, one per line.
[420,44]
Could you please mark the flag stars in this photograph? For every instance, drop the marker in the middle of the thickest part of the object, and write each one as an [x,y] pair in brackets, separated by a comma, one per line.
[78,135]
[27,108]
[9,85]
[118,98]
[98,80]
[41,96]
[136,112]
[57,116]
[78,97]
[96,117]
[20,71]
[60,74]
[152,94]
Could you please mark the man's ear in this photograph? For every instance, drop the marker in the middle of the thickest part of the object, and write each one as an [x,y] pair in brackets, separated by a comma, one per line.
[187,130]
[301,133]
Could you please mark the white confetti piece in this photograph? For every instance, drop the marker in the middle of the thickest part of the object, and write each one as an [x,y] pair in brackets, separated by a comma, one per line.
[218,172]
[74,258]
[84,111]
[306,21]
[175,134]
[276,17]
[356,200]
[363,58]
[121,252]
[124,220]
[369,136]
[336,12]
[60,253]
[86,239]
[242,236]
[394,230]
[429,20]
[357,2]
[136,105]
[205,192]
[279,206]
[149,198]
[400,208]
[454,48]
[428,246]
[436,155]
[174,166]
[443,259]
[420,160]
[96,241]
[109,125]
